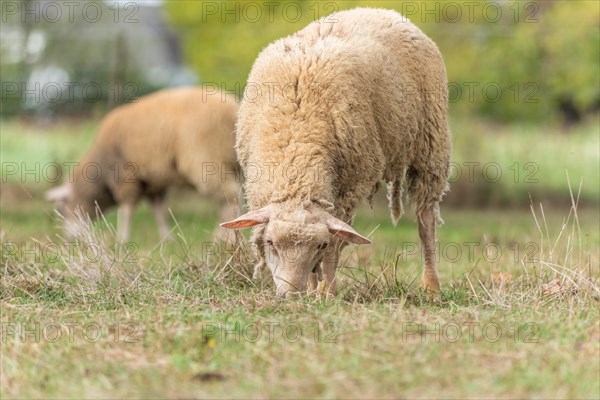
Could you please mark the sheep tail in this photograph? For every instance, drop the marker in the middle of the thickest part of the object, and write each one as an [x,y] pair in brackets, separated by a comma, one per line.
[394,196]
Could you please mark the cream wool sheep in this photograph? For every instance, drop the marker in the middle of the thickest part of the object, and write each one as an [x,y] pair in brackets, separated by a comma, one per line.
[329,112]
[175,136]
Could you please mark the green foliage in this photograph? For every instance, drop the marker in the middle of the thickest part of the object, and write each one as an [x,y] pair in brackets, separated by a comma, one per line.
[537,54]
[571,42]
[505,60]
[221,40]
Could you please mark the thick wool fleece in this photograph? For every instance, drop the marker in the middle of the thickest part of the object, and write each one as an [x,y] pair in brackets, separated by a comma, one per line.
[176,136]
[329,112]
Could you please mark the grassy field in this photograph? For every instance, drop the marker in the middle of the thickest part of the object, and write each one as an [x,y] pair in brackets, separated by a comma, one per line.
[519,315]
[492,165]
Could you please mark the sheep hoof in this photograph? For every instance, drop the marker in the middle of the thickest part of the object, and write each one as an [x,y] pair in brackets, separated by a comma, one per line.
[433,296]
[431,285]
[324,291]
[321,289]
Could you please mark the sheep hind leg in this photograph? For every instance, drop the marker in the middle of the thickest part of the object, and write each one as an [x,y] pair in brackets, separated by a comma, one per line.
[427,226]
[394,197]
[124,215]
[313,282]
[159,211]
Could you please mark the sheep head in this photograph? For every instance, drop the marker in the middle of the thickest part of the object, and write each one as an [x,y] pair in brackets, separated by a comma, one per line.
[63,199]
[295,242]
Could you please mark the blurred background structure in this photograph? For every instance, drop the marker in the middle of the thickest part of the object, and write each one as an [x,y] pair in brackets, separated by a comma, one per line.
[61,58]
[517,70]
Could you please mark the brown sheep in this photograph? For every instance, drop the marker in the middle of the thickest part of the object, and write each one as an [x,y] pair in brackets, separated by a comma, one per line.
[176,136]
[351,100]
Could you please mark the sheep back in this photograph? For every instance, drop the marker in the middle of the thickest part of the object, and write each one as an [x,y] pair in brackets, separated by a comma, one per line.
[359,97]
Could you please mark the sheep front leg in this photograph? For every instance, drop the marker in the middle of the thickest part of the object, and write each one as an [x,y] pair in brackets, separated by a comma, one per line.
[313,282]
[314,277]
[259,267]
[259,253]
[327,285]
[124,215]
[159,211]
[427,221]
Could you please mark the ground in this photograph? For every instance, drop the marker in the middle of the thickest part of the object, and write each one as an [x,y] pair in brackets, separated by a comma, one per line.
[518,316]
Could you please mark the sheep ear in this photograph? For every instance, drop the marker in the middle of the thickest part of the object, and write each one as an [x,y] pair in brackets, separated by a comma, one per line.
[249,219]
[342,230]
[59,194]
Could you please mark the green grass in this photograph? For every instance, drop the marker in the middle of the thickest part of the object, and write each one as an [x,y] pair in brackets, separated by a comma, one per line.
[177,322]
[492,165]
[508,165]
[31,144]
[180,319]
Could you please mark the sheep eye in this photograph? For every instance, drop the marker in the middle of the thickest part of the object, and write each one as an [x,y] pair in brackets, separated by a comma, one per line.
[323,246]
[269,242]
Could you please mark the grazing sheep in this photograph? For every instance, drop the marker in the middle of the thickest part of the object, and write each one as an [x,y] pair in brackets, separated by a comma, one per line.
[177,136]
[352,99]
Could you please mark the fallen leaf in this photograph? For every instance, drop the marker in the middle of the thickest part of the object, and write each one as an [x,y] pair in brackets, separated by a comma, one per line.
[552,287]
[210,341]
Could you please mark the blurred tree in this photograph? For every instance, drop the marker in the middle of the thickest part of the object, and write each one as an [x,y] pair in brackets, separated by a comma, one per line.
[222,39]
[508,60]
[570,41]
[546,61]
